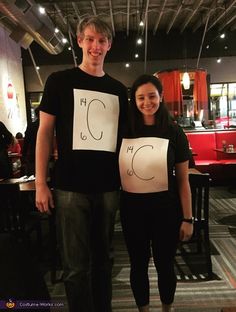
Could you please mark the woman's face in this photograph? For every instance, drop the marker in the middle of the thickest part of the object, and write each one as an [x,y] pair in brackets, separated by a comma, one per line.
[148,101]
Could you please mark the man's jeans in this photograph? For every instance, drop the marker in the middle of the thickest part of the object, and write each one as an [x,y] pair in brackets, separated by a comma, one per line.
[85,224]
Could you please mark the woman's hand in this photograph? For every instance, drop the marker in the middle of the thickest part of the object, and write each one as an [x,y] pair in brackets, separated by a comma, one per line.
[186,231]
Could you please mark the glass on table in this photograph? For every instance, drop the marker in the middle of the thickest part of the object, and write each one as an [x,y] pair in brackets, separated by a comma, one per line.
[230,148]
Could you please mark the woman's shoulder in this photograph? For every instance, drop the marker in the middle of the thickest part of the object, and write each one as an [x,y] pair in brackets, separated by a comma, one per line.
[175,127]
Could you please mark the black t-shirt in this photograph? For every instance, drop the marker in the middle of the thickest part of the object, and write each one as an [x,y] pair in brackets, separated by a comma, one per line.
[81,103]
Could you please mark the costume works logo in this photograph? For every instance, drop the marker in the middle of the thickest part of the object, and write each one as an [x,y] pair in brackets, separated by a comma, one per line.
[10,304]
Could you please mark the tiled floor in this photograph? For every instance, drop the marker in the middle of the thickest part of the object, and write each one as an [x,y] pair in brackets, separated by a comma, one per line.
[191,296]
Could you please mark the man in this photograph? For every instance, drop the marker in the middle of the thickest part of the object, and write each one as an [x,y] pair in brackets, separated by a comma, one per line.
[88,109]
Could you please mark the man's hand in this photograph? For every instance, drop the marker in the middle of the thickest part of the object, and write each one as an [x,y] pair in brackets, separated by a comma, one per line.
[44,200]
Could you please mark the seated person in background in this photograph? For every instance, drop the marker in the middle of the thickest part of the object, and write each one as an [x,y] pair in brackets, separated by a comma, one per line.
[14,146]
[28,153]
[5,140]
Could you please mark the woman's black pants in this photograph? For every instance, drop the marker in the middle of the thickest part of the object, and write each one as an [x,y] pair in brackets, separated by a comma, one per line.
[150,230]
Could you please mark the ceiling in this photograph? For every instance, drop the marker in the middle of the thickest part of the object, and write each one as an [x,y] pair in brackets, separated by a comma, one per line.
[175,29]
[125,15]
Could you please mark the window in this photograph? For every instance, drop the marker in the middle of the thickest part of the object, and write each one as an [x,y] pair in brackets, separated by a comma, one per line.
[223,104]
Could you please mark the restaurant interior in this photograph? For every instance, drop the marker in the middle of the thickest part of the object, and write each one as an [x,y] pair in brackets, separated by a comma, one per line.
[190,46]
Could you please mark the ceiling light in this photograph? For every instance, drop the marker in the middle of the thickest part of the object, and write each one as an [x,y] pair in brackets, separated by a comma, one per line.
[222,36]
[218,60]
[141,23]
[127,65]
[42,10]
[226,47]
[136,55]
[56,30]
[207,46]
[37,67]
[64,40]
[139,41]
[186,81]
[69,48]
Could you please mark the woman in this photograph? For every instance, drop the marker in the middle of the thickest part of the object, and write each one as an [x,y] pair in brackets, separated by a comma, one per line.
[156,199]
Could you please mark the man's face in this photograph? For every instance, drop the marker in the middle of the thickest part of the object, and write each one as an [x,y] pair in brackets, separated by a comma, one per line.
[94,46]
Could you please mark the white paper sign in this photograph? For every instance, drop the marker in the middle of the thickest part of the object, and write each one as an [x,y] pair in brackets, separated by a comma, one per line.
[95,120]
[143,165]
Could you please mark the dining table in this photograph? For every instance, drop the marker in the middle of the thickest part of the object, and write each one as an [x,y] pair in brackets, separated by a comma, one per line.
[193,152]
[226,151]
[24,184]
[194,171]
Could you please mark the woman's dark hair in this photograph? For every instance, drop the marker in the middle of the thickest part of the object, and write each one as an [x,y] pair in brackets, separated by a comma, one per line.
[162,116]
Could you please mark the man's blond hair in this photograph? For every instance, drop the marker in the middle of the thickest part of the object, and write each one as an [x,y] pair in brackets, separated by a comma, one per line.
[96,23]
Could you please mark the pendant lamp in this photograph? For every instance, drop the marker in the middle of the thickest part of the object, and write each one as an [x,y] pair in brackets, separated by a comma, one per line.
[186,81]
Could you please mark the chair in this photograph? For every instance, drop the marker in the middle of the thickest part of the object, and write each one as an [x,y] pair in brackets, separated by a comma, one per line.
[16,217]
[199,184]
[21,274]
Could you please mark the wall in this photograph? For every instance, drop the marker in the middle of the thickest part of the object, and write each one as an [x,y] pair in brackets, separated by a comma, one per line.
[12,91]
[224,72]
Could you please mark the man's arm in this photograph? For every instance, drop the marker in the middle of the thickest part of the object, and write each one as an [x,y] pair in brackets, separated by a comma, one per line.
[44,200]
